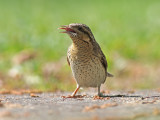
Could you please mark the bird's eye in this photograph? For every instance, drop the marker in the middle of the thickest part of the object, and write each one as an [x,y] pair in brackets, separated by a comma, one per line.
[80,29]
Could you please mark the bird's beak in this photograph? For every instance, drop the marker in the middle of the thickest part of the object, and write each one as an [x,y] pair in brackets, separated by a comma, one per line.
[66,27]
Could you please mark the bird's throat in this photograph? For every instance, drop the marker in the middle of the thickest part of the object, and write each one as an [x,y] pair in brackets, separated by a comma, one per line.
[80,44]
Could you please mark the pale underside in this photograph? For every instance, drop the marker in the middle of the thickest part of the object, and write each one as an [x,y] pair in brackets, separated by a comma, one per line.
[88,72]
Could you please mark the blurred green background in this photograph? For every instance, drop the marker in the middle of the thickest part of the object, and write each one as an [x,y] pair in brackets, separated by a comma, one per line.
[33,52]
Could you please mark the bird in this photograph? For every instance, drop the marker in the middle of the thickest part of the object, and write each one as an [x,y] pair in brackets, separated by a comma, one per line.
[85,57]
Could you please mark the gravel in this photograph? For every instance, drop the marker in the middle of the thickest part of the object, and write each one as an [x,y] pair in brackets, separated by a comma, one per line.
[53,106]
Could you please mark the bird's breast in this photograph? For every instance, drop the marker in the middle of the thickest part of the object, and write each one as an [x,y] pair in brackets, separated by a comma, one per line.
[87,69]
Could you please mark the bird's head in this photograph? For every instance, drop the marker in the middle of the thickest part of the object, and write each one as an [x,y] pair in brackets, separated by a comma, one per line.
[78,32]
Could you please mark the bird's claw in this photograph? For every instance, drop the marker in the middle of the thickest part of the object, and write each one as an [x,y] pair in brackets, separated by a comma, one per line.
[71,96]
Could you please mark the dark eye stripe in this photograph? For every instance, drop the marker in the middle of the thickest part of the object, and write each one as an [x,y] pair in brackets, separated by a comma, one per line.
[80,29]
[88,35]
[85,32]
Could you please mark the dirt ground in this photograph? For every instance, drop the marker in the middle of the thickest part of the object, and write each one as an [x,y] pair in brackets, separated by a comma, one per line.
[53,106]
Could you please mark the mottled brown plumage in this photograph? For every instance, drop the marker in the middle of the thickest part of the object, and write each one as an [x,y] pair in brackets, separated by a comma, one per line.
[85,57]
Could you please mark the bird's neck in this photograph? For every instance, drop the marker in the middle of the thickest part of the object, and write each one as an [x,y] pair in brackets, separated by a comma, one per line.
[81,44]
[81,47]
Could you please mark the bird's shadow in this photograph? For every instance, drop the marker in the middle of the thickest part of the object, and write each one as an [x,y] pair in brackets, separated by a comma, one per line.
[112,96]
[127,96]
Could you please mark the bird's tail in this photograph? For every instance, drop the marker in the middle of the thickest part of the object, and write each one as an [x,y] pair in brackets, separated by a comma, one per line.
[109,75]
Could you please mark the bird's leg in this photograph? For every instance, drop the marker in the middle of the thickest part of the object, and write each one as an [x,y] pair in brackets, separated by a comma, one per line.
[74,93]
[99,93]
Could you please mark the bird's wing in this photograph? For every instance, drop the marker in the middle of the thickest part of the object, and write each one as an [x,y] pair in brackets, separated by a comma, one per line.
[68,61]
[103,59]
[97,50]
[68,54]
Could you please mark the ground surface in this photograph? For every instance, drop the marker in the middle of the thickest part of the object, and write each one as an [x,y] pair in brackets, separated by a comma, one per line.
[50,106]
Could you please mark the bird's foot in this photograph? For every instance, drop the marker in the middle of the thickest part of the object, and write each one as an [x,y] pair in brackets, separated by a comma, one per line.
[101,95]
[71,96]
[68,96]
